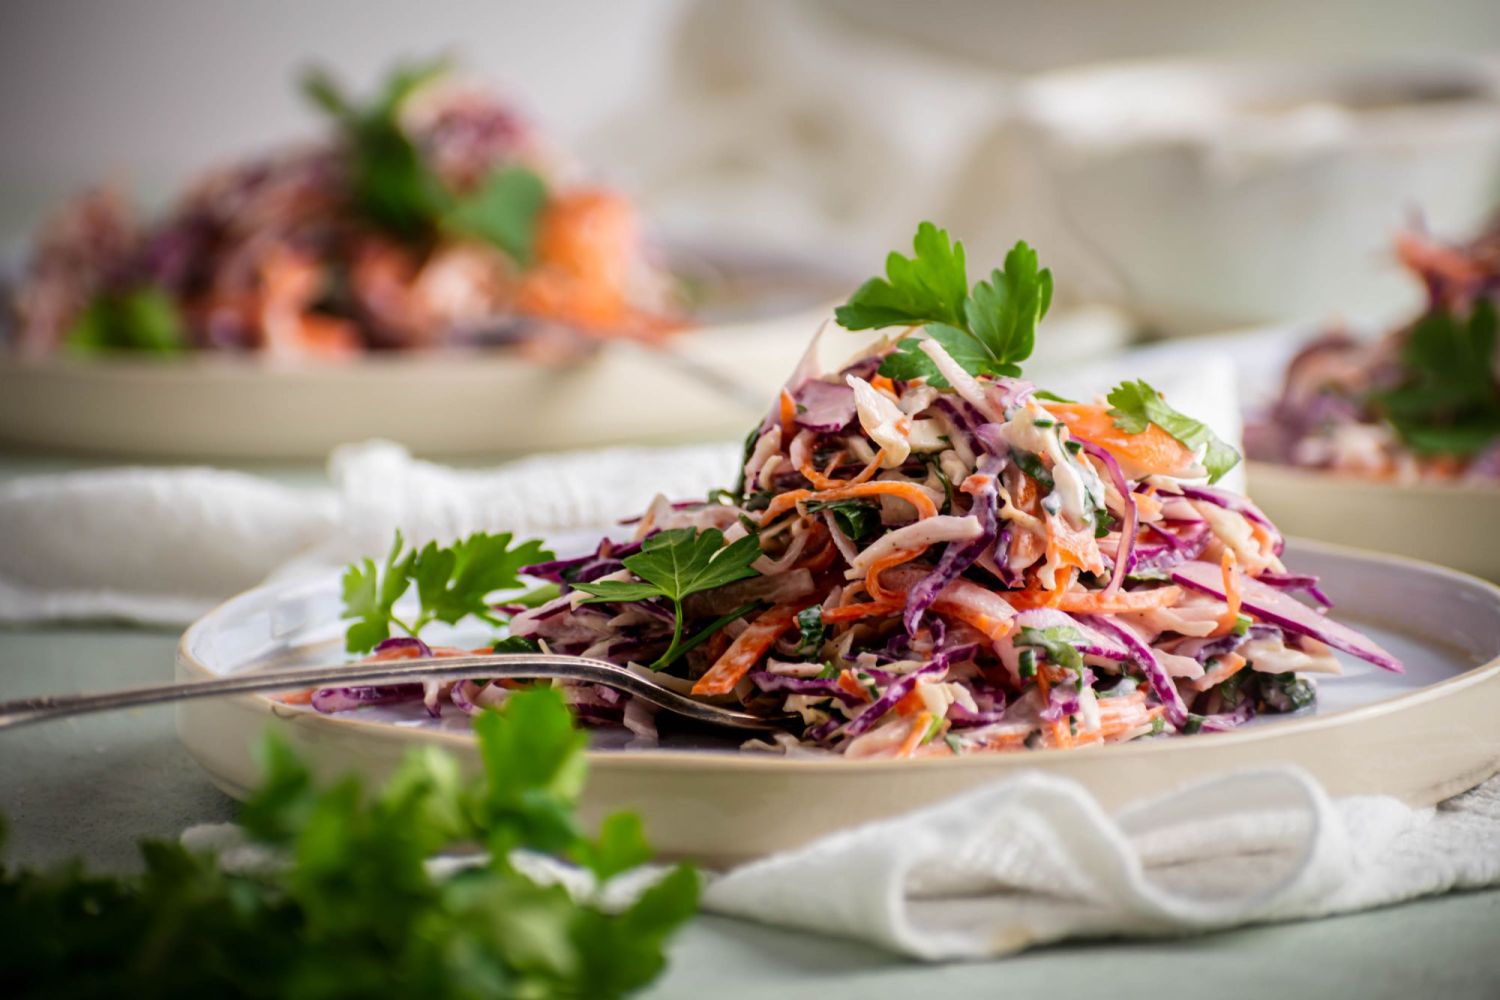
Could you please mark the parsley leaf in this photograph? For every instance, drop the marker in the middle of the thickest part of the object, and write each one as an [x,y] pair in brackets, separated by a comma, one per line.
[675,564]
[987,331]
[355,910]
[504,211]
[1135,405]
[1057,641]
[931,286]
[453,582]
[394,188]
[1450,401]
[142,319]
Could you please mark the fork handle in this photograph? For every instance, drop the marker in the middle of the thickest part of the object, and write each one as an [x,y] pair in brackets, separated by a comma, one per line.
[519,666]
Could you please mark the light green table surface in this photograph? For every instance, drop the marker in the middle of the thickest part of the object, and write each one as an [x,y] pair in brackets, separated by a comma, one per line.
[92,787]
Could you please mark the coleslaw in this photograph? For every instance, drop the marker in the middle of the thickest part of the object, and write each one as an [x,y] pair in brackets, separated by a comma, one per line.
[943,564]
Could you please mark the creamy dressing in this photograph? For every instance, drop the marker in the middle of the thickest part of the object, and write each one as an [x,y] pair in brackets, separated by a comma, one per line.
[1077,487]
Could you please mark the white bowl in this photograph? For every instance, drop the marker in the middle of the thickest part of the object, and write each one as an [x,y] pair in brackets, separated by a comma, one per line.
[1209,195]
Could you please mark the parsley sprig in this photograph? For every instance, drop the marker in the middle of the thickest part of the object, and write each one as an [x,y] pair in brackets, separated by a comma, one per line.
[395,189]
[453,582]
[1449,402]
[988,330]
[143,319]
[1135,405]
[355,910]
[1059,642]
[674,565]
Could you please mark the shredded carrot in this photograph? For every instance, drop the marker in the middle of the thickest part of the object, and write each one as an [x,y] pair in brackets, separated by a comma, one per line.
[914,735]
[911,703]
[1231,593]
[852,612]
[1062,734]
[910,492]
[881,383]
[297,697]
[788,417]
[1093,602]
[746,650]
[1068,546]
[896,558]
[846,682]
[1225,667]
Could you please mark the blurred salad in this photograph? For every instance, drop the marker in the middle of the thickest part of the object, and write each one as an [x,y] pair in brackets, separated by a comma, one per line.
[431,214]
[924,555]
[1422,402]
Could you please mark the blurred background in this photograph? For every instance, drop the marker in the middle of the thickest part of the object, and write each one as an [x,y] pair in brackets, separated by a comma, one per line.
[827,128]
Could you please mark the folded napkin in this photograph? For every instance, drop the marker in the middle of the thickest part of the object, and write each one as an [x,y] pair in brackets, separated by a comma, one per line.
[1034,859]
[162,546]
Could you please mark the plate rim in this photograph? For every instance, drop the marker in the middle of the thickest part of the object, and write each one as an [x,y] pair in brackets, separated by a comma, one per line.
[838,766]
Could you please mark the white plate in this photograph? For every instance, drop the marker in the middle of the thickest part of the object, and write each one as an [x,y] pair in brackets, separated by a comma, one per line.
[1421,736]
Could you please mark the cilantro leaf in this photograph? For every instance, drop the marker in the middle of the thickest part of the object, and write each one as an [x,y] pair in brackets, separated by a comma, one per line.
[142,319]
[930,286]
[1057,641]
[675,564]
[1135,405]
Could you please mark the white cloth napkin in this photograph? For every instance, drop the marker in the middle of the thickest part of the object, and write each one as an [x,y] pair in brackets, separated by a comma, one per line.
[1034,860]
[162,546]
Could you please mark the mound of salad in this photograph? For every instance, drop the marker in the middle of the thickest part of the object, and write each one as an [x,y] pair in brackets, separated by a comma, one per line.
[432,215]
[924,555]
[1422,403]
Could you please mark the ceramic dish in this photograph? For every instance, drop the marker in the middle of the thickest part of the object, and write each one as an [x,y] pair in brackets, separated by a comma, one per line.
[1420,736]
[1253,176]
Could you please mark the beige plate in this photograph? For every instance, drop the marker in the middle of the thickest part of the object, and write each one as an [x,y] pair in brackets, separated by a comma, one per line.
[1421,736]
[1451,524]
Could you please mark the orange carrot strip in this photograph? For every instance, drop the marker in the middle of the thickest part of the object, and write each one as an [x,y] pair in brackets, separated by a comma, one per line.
[1231,593]
[788,418]
[846,682]
[746,651]
[852,612]
[914,735]
[1092,602]
[910,492]
[894,559]
[911,703]
[881,383]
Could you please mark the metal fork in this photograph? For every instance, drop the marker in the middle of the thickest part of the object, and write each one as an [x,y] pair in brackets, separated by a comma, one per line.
[506,666]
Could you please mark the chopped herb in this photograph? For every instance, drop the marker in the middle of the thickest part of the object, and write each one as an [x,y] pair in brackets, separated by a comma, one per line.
[1033,467]
[144,319]
[813,631]
[1051,397]
[1057,641]
[1193,724]
[1242,624]
[517,644]
[954,744]
[937,469]
[829,672]
[857,519]
[1026,663]
[1157,726]
[1286,692]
